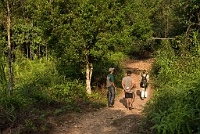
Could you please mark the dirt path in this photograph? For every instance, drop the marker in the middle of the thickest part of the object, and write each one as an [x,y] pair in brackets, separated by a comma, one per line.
[117,120]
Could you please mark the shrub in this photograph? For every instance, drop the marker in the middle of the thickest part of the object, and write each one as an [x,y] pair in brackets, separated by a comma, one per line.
[175,107]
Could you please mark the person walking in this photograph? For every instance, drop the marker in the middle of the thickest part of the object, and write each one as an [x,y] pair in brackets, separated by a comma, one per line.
[144,84]
[111,87]
[127,85]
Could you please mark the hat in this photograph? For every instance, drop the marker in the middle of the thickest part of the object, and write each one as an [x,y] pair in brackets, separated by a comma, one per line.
[129,72]
[111,69]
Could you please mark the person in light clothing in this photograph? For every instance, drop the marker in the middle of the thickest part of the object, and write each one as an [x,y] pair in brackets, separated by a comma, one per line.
[144,84]
[127,85]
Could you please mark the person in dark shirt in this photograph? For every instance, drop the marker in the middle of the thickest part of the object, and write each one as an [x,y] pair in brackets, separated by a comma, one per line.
[111,87]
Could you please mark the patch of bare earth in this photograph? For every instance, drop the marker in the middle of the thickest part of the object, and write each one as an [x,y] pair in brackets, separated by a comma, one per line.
[117,120]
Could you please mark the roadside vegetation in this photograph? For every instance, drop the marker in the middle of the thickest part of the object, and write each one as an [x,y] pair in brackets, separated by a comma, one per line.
[40,92]
[175,106]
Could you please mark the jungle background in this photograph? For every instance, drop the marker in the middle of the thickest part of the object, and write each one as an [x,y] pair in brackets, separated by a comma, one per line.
[55,55]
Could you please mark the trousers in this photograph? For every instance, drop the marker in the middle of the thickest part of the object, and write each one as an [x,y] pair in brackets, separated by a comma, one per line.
[111,95]
[144,93]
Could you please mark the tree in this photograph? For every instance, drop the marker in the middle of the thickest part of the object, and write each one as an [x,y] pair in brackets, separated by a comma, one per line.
[10,69]
[80,33]
[88,23]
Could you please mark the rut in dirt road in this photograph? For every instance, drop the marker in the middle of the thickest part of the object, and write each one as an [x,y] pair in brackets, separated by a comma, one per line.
[117,120]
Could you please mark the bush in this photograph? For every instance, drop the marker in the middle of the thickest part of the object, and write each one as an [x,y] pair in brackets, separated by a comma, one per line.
[175,107]
[40,91]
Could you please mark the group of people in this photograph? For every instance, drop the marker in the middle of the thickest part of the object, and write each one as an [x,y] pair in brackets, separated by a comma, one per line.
[128,86]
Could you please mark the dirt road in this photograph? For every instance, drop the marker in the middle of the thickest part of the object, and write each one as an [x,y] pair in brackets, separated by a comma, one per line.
[117,120]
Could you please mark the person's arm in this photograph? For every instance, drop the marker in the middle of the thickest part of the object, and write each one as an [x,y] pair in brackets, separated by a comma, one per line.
[112,82]
[132,84]
[134,94]
[147,78]
[123,84]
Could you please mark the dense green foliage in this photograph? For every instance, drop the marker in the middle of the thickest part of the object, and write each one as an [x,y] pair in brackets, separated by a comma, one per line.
[53,41]
[41,92]
[175,107]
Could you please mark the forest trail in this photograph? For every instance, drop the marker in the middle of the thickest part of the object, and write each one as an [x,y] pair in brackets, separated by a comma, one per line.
[117,120]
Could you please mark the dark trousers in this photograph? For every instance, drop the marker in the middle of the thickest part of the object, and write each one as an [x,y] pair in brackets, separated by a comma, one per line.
[111,95]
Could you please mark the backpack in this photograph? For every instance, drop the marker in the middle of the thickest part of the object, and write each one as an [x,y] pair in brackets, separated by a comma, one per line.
[143,82]
[108,82]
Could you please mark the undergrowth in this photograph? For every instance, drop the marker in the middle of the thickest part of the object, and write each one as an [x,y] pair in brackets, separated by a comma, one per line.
[175,107]
[40,92]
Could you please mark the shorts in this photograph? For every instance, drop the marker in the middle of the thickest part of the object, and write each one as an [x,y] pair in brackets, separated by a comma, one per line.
[128,95]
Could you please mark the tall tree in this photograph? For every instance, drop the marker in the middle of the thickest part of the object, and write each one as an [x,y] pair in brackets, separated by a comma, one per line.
[103,27]
[10,69]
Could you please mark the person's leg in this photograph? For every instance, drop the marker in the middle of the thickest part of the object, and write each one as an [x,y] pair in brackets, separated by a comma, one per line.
[112,99]
[145,93]
[109,96]
[142,93]
[128,100]
[127,103]
[132,100]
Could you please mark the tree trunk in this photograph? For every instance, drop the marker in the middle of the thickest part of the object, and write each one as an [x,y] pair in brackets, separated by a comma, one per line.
[10,72]
[89,68]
